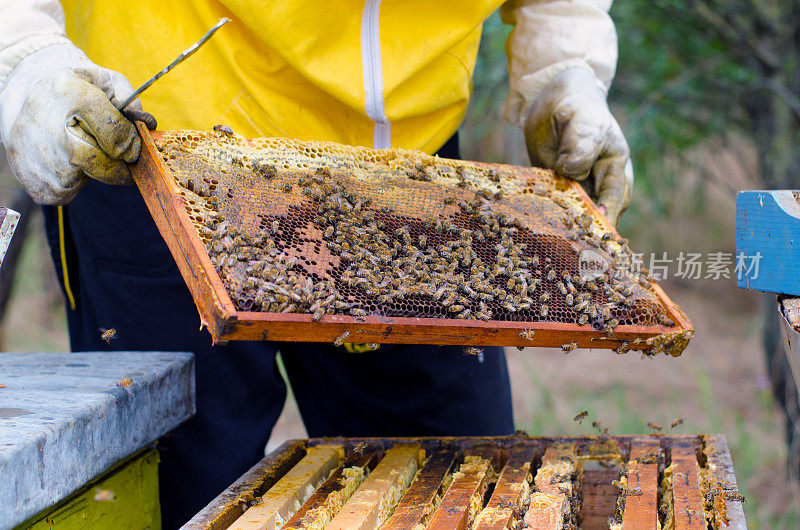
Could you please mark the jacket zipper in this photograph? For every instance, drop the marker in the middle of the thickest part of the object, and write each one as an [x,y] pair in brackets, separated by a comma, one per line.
[373,74]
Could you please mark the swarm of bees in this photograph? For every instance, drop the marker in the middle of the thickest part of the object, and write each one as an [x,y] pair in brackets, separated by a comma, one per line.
[478,262]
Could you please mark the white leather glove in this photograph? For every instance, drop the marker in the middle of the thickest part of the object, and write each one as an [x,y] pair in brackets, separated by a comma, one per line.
[570,129]
[60,127]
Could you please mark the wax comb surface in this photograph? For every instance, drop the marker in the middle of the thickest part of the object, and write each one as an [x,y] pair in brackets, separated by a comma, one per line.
[340,234]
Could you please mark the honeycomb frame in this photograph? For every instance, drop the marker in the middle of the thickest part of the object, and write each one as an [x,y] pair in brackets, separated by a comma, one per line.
[174,212]
[563,482]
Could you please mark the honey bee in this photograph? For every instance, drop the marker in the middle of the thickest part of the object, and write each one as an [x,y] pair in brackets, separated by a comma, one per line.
[581,416]
[544,310]
[544,297]
[125,382]
[318,314]
[359,448]
[286,187]
[266,171]
[583,319]
[275,226]
[527,334]
[551,275]
[338,341]
[568,299]
[483,194]
[223,129]
[635,491]
[562,288]
[570,346]
[357,312]
[105,495]
[676,422]
[664,320]
[108,335]
[654,426]
[623,348]
[470,350]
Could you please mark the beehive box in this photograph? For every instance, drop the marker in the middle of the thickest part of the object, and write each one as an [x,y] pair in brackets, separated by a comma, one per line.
[627,482]
[310,241]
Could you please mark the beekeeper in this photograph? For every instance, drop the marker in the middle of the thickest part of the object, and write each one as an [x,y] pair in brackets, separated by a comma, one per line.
[381,74]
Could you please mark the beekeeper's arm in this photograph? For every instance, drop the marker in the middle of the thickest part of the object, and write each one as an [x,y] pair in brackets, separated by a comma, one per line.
[57,116]
[562,56]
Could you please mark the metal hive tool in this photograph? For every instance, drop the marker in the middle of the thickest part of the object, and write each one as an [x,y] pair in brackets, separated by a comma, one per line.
[620,482]
[286,240]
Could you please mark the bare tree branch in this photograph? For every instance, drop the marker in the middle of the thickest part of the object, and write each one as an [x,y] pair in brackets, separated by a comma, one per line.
[779,88]
[686,76]
[735,35]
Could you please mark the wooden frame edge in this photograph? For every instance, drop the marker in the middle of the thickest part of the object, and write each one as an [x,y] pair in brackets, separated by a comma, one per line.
[178,231]
[226,323]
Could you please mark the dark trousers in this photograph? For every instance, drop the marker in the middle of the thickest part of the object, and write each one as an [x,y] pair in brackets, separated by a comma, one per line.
[119,274]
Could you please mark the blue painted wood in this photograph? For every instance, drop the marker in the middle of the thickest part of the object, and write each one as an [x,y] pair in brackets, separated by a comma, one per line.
[768,234]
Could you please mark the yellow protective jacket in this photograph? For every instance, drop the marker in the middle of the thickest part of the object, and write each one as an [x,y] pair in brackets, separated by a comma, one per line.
[364,72]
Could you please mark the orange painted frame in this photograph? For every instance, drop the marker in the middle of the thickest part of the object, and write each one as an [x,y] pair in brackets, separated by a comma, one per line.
[224,322]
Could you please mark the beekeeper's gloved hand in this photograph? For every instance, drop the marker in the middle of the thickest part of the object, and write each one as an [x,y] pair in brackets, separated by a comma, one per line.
[570,129]
[60,126]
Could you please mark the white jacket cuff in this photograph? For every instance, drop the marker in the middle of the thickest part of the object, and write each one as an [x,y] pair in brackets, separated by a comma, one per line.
[11,57]
[550,36]
[27,26]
